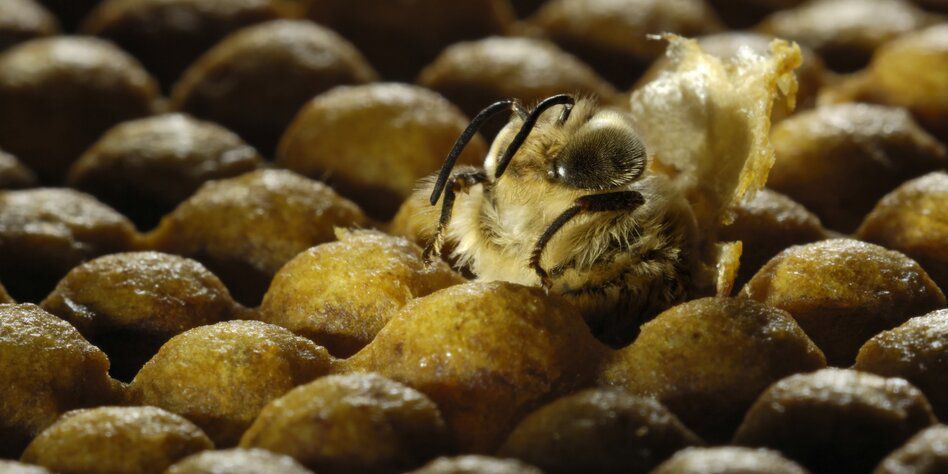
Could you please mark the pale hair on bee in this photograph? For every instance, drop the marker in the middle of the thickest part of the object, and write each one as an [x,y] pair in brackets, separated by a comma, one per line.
[567,199]
[564,201]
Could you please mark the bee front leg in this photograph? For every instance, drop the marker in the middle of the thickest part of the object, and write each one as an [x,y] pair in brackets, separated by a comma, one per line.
[621,201]
[459,182]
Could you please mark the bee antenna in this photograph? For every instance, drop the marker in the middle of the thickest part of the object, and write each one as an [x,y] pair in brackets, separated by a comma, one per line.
[531,122]
[462,142]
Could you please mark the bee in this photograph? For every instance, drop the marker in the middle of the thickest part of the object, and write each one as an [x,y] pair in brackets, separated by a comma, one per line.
[566,200]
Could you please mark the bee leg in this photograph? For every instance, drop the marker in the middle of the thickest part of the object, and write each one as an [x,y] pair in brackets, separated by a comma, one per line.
[459,182]
[544,239]
[609,202]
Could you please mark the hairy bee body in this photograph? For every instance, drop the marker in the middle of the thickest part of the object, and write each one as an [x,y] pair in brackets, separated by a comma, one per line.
[570,199]
[618,269]
[618,266]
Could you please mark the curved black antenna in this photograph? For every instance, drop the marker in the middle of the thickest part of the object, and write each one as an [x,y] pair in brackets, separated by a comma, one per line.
[528,125]
[462,142]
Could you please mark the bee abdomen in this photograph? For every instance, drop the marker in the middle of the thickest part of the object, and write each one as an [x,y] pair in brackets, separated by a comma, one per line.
[635,292]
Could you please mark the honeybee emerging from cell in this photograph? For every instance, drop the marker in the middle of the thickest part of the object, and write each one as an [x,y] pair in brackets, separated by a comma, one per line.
[566,200]
[570,199]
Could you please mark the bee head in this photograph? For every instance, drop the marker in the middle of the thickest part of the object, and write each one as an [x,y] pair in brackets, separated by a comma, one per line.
[593,150]
[603,153]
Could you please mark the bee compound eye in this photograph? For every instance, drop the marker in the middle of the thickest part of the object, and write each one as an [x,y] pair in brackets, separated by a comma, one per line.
[601,158]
